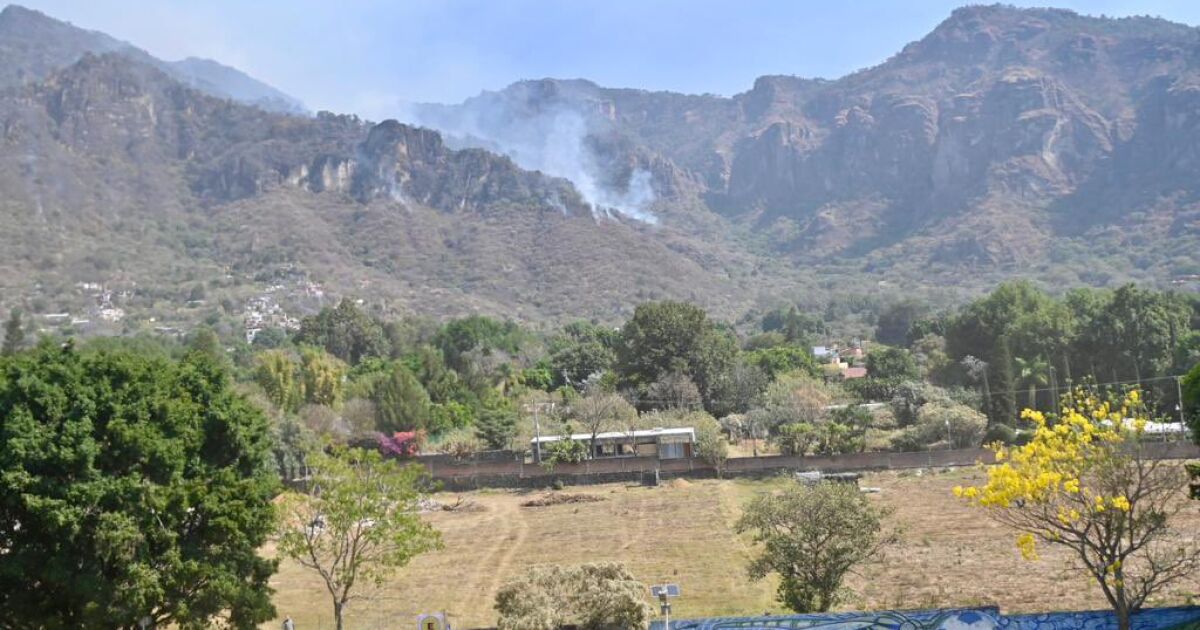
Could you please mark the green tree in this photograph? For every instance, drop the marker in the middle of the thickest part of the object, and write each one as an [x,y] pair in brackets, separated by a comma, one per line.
[401,404]
[345,332]
[895,321]
[1191,400]
[1015,320]
[323,376]
[270,338]
[1034,373]
[131,487]
[1003,405]
[796,438]
[892,364]
[581,351]
[666,337]
[564,451]
[781,360]
[795,326]
[813,536]
[740,389]
[278,375]
[359,522]
[1136,334]
[496,424]
[711,445]
[14,334]
[459,338]
[442,383]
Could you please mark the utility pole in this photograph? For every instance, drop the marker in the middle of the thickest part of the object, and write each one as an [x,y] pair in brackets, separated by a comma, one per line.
[1179,399]
[537,429]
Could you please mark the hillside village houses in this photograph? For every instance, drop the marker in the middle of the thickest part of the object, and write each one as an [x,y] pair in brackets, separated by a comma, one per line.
[844,363]
[263,311]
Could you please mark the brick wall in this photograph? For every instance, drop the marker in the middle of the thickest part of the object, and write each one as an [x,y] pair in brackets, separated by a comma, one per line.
[508,471]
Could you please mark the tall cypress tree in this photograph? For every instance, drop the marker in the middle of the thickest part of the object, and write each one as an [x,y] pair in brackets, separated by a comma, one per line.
[1003,407]
[401,403]
[14,334]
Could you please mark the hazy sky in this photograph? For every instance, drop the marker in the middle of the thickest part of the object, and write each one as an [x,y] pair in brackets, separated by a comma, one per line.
[365,56]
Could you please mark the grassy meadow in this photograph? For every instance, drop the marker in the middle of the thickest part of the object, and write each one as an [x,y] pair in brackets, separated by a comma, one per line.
[682,532]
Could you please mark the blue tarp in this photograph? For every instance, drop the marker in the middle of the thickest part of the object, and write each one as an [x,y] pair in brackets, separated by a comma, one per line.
[985,618]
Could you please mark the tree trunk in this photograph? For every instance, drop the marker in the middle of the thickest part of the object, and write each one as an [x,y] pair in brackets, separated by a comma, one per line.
[338,609]
[1123,622]
[1120,601]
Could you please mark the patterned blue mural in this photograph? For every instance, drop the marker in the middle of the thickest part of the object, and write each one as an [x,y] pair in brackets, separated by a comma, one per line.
[1184,618]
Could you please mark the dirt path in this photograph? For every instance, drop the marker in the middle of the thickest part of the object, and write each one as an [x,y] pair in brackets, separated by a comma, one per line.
[509,533]
[518,533]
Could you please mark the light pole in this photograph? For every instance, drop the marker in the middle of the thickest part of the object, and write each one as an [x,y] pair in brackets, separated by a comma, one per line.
[537,429]
[664,605]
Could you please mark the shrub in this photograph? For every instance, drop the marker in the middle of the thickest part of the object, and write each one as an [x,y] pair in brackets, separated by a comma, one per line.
[796,438]
[602,596]
[947,423]
[1001,433]
[565,451]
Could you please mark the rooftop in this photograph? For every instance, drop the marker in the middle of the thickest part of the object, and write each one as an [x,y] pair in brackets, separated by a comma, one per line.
[617,435]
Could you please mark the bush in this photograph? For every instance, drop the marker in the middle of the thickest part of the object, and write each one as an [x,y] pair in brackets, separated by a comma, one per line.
[796,438]
[460,444]
[602,596]
[711,445]
[1001,433]
[945,423]
[565,451]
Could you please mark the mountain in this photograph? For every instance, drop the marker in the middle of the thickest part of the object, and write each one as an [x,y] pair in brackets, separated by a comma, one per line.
[1007,139]
[1008,142]
[115,173]
[34,45]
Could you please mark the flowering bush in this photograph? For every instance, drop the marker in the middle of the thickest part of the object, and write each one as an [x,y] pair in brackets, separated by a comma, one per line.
[401,443]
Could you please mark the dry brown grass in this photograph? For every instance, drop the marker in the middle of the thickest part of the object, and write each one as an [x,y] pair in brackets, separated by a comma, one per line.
[950,555]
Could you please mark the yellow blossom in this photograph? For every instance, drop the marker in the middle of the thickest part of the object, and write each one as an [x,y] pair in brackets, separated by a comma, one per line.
[1027,545]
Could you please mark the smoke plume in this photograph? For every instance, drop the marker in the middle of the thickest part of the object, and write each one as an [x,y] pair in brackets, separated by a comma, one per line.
[551,139]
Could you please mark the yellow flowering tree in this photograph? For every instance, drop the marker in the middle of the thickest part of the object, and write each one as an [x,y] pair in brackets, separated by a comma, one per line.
[1083,482]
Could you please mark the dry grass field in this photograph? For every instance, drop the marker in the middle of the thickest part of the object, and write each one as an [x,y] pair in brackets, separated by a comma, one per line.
[950,555]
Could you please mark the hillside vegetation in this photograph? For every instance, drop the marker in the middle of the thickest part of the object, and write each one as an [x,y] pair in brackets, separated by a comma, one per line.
[1007,142]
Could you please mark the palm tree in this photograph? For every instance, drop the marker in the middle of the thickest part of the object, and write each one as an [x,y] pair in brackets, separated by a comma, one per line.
[1035,373]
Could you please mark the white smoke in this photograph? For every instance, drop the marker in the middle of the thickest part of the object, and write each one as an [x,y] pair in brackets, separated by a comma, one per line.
[553,141]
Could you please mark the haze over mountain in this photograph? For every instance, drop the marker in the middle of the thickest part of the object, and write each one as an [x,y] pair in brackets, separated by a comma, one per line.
[33,45]
[1006,142]
[984,142]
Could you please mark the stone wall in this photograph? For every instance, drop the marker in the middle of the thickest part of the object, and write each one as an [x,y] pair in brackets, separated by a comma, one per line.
[507,470]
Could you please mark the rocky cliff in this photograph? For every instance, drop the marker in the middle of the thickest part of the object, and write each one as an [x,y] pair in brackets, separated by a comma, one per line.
[980,143]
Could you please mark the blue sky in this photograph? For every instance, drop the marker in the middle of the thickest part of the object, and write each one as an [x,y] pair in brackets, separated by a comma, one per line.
[366,56]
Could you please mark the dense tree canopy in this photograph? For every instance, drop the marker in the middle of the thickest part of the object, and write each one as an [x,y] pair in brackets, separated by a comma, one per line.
[891,363]
[130,487]
[345,332]
[666,337]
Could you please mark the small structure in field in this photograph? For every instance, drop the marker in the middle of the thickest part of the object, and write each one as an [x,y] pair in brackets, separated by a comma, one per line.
[660,443]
